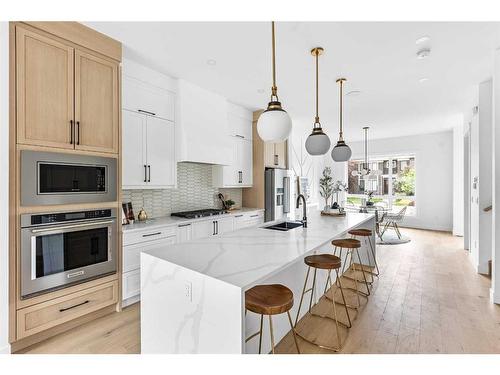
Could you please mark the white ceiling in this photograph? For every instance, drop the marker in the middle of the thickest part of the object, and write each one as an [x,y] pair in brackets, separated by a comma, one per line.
[377,58]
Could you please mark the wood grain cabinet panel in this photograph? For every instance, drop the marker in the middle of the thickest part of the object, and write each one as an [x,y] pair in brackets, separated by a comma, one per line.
[96,103]
[48,314]
[44,86]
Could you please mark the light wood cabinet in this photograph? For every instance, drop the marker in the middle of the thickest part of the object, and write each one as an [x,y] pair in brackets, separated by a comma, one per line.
[96,103]
[66,98]
[44,87]
[275,155]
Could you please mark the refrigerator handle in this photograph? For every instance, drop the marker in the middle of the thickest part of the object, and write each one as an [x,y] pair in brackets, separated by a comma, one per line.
[286,195]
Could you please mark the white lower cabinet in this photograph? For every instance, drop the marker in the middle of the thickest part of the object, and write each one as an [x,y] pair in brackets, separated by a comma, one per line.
[184,232]
[203,229]
[224,225]
[248,220]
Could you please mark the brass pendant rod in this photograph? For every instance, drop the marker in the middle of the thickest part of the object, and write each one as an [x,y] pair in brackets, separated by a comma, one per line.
[274,89]
[341,111]
[317,88]
[366,147]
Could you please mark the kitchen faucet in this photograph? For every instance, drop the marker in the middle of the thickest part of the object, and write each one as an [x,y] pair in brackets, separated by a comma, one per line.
[304,208]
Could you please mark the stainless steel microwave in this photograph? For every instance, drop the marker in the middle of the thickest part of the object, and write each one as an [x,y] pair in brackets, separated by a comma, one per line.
[50,178]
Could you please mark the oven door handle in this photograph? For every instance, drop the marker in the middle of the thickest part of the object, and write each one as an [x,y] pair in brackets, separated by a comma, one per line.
[63,227]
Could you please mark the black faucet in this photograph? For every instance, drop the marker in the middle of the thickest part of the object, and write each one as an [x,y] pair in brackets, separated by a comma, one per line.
[304,212]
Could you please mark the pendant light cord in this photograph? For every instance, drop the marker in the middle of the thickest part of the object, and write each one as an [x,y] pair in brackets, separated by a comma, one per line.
[366,148]
[274,89]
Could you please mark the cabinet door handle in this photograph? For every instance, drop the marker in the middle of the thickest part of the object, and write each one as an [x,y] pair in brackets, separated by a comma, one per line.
[217,227]
[78,133]
[213,228]
[238,215]
[149,170]
[184,225]
[146,112]
[257,215]
[71,132]
[275,159]
[151,234]
[145,173]
[72,307]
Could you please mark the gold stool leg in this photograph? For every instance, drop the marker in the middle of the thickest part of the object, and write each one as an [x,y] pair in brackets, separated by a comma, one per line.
[272,333]
[302,296]
[343,299]
[293,332]
[373,254]
[337,330]
[313,289]
[363,272]
[371,281]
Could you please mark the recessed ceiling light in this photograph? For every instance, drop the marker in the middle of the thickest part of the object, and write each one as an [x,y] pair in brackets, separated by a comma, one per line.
[211,62]
[424,79]
[423,53]
[353,93]
[422,39]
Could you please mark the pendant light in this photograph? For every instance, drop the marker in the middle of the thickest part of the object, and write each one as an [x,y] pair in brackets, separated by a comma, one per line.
[341,151]
[318,142]
[274,124]
[366,172]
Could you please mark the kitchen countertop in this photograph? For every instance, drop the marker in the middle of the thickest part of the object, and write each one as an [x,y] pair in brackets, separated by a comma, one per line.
[173,220]
[247,256]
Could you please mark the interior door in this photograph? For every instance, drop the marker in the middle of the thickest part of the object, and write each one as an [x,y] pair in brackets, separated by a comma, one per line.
[134,170]
[96,103]
[160,143]
[44,80]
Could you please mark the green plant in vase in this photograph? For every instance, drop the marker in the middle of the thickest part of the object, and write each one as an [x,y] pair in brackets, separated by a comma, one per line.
[326,186]
[338,187]
[229,204]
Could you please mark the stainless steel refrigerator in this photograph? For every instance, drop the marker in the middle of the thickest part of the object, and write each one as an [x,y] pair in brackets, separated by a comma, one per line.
[278,184]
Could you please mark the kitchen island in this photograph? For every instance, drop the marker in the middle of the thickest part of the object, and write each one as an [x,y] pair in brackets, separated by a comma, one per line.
[193,294]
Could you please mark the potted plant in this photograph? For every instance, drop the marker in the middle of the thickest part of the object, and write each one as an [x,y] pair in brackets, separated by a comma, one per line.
[369,201]
[229,204]
[338,186]
[326,186]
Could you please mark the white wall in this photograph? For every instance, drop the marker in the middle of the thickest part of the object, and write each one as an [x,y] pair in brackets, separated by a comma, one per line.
[4,187]
[458,180]
[434,171]
[495,281]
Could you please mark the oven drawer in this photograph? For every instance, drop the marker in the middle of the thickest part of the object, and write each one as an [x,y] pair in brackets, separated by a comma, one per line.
[148,235]
[49,314]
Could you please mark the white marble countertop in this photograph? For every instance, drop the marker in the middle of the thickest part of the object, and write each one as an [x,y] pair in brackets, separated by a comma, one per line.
[247,256]
[173,220]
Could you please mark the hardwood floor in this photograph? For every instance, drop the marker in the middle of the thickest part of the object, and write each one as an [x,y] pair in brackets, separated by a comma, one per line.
[428,299]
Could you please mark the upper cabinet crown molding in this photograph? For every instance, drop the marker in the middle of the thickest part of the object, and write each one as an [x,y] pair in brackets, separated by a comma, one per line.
[83,36]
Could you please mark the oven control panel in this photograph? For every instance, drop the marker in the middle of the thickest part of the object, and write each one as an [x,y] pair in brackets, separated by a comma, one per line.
[62,217]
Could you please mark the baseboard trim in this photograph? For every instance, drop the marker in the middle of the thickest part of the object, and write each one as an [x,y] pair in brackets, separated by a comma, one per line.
[494,297]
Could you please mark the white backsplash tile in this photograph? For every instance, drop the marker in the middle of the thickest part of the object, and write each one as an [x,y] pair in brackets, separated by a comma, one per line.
[194,191]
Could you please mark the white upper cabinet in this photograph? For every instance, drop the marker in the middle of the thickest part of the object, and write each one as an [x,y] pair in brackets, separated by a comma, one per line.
[147,99]
[201,117]
[148,135]
[148,152]
[239,173]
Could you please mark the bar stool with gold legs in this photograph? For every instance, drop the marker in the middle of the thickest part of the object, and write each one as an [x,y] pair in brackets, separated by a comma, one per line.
[270,300]
[329,263]
[351,246]
[367,235]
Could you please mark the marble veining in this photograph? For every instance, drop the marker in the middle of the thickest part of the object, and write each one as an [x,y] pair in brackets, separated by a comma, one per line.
[245,257]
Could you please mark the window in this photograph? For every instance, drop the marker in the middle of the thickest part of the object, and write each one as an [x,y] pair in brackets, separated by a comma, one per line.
[393,186]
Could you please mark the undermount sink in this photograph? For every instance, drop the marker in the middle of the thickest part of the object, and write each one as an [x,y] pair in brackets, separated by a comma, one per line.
[285,225]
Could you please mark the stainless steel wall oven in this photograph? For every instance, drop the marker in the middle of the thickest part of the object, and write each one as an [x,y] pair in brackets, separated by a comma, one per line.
[63,248]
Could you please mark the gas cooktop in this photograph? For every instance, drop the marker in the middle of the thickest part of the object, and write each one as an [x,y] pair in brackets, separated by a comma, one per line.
[198,213]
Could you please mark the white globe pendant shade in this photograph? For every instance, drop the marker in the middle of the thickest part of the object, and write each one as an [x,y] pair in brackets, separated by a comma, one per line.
[341,152]
[274,124]
[318,143]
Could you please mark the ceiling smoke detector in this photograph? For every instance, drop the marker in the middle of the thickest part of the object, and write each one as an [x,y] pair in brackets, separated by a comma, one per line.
[423,39]
[423,53]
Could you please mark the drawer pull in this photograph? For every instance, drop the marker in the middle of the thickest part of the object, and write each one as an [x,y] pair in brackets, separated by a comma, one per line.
[151,234]
[238,215]
[254,215]
[184,225]
[240,136]
[146,112]
[72,307]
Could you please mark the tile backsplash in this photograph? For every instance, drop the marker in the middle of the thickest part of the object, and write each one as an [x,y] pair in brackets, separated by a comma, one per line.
[194,191]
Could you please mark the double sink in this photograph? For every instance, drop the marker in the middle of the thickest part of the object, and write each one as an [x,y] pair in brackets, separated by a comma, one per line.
[285,226]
